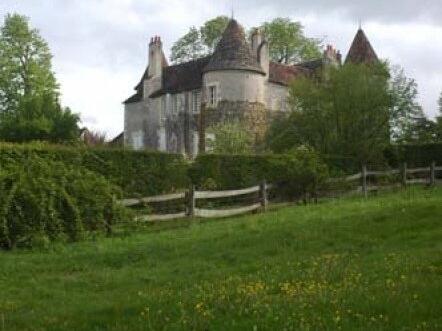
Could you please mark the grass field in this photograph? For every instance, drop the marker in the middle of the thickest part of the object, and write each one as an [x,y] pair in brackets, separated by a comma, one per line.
[348,264]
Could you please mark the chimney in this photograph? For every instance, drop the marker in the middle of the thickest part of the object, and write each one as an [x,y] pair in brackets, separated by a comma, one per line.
[256,39]
[332,56]
[156,57]
[260,49]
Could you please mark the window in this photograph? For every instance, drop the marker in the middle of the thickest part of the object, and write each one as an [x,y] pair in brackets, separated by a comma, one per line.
[213,95]
[195,101]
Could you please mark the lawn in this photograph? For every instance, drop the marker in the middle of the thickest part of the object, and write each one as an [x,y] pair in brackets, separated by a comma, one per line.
[349,264]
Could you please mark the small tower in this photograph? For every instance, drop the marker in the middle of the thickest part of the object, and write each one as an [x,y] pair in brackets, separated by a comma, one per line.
[260,49]
[361,50]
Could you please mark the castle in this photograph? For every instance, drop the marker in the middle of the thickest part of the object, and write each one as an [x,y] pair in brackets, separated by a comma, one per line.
[174,105]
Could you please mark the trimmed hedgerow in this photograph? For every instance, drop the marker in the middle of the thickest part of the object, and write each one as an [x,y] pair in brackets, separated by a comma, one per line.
[296,173]
[137,173]
[44,200]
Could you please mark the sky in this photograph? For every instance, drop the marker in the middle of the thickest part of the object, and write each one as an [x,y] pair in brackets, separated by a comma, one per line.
[100,46]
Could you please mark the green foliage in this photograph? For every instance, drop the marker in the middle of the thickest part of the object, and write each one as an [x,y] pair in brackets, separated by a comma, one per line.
[29,107]
[212,31]
[230,138]
[39,118]
[288,43]
[415,155]
[25,62]
[349,264]
[44,200]
[136,173]
[188,47]
[298,172]
[200,42]
[346,114]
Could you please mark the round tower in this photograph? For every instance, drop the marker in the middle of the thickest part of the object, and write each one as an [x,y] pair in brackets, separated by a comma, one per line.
[234,84]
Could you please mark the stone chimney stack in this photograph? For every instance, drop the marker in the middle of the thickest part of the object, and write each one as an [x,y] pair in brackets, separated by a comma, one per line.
[332,56]
[156,57]
[256,39]
[260,49]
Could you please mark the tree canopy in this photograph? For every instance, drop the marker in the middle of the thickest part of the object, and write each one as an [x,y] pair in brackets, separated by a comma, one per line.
[287,41]
[29,107]
[346,114]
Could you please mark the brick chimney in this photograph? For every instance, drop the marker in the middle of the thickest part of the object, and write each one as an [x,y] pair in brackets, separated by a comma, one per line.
[332,56]
[156,57]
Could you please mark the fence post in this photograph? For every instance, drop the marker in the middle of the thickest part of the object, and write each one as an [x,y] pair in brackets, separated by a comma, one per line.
[432,173]
[364,180]
[191,201]
[404,174]
[263,195]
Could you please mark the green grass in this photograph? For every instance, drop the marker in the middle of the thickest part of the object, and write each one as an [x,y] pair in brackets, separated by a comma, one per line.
[349,264]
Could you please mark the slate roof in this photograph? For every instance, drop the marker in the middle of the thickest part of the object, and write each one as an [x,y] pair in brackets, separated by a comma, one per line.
[233,52]
[183,77]
[283,74]
[361,50]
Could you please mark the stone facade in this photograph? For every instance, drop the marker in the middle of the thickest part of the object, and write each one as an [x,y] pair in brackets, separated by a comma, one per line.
[175,105]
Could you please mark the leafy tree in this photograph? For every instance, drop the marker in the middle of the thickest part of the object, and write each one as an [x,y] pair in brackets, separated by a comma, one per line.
[345,115]
[288,43]
[229,138]
[25,63]
[189,47]
[29,107]
[199,42]
[212,31]
[39,118]
[406,115]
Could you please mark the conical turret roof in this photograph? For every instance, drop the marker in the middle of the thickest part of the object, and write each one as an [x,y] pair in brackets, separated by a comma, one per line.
[361,50]
[233,51]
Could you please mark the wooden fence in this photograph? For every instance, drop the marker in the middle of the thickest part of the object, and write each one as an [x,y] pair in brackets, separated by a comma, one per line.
[404,173]
[191,196]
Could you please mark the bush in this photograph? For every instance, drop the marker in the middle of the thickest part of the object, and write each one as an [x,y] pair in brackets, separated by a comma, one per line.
[43,200]
[296,173]
[137,173]
[415,155]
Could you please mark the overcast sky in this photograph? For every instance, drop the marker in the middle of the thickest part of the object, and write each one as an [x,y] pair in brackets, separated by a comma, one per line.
[100,46]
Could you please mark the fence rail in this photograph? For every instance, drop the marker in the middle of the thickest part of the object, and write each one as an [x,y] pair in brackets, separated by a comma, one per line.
[191,196]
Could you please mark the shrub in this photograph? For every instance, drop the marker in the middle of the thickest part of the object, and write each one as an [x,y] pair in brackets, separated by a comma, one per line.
[137,173]
[296,173]
[42,200]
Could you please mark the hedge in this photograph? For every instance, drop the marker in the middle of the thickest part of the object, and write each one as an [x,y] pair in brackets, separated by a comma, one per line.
[44,200]
[414,155]
[298,172]
[137,173]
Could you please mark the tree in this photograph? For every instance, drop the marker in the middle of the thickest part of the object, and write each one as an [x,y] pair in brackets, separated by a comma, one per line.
[287,41]
[199,42]
[25,63]
[406,115]
[212,31]
[29,107]
[187,48]
[230,138]
[345,115]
